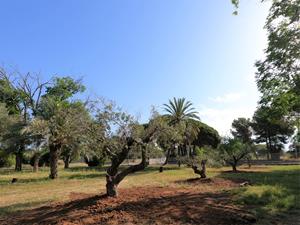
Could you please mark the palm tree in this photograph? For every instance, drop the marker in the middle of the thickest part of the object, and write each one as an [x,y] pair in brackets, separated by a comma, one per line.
[180,110]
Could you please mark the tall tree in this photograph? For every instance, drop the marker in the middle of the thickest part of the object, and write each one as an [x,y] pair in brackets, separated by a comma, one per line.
[21,93]
[58,119]
[179,110]
[4,118]
[241,129]
[180,113]
[207,136]
[272,128]
[278,74]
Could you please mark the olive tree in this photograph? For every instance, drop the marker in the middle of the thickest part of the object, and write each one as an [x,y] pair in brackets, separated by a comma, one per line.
[233,150]
[66,124]
[120,134]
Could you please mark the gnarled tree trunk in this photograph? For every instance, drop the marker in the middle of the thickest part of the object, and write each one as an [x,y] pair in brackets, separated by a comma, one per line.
[36,162]
[19,159]
[201,172]
[167,157]
[67,160]
[114,176]
[111,186]
[54,153]
[233,165]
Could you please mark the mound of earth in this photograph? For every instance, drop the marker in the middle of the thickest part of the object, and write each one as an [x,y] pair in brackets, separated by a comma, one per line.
[146,205]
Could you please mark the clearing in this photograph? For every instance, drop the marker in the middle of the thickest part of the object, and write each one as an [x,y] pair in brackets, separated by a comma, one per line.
[175,196]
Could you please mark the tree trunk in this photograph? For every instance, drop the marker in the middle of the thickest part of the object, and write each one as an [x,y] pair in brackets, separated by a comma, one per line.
[111,186]
[167,157]
[179,163]
[36,163]
[114,177]
[203,169]
[67,161]
[234,169]
[19,158]
[54,150]
[249,163]
[201,172]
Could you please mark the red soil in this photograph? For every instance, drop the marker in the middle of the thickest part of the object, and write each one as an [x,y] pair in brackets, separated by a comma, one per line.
[147,205]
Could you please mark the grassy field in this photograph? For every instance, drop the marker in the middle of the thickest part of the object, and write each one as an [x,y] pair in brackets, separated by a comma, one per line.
[275,190]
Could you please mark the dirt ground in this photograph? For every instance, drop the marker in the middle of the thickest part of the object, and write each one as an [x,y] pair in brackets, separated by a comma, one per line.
[180,204]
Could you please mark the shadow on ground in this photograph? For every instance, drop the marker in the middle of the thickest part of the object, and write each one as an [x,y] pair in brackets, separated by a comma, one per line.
[141,206]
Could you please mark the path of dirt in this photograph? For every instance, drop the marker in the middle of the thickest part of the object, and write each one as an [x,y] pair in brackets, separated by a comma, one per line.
[147,205]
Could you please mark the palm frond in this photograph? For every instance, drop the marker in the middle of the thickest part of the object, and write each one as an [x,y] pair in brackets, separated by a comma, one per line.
[180,109]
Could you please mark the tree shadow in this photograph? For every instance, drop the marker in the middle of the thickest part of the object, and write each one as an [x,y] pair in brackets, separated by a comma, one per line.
[51,214]
[175,208]
[47,179]
[4,210]
[24,180]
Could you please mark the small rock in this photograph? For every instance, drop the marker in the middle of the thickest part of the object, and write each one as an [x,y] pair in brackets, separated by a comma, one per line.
[14,180]
[246,183]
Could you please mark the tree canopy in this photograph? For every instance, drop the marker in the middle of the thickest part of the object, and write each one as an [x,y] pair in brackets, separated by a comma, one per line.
[278,74]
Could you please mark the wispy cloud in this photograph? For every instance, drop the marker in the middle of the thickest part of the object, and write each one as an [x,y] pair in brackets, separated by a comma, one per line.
[227,98]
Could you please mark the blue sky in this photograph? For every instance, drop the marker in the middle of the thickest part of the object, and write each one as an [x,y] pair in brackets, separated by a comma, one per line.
[142,52]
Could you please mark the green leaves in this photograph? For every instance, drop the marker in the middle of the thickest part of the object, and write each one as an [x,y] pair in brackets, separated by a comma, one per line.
[232,150]
[271,127]
[236,5]
[64,88]
[278,74]
[241,129]
[180,109]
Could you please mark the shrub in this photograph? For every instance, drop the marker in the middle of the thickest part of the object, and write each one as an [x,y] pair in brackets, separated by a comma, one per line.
[209,154]
[94,161]
[6,160]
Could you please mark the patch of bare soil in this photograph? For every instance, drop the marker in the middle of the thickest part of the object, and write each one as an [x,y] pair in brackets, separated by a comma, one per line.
[147,205]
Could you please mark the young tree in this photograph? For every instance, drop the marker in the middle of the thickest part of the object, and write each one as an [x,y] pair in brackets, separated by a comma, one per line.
[233,150]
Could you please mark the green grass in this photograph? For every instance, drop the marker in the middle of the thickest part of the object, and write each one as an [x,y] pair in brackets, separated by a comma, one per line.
[274,191]
[35,189]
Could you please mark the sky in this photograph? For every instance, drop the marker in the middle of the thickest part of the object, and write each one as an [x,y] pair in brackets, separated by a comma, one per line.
[141,53]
